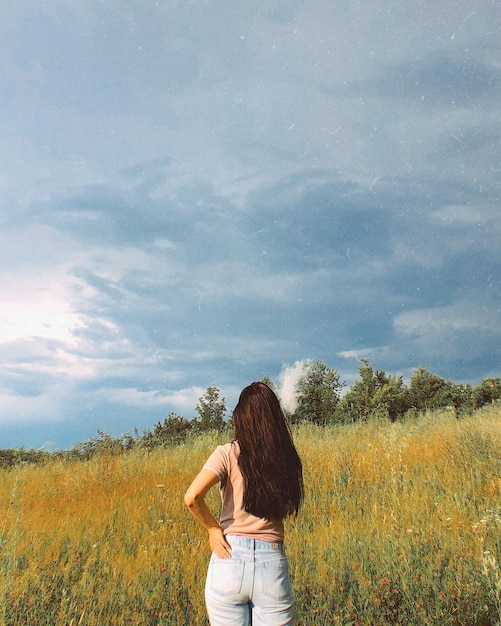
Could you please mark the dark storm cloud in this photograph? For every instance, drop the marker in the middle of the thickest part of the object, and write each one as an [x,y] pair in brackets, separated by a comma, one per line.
[202,193]
[192,218]
[313,218]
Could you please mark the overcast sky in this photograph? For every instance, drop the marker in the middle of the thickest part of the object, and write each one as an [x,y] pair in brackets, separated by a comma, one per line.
[204,192]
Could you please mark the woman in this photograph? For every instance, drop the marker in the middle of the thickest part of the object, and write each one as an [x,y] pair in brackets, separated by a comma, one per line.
[261,480]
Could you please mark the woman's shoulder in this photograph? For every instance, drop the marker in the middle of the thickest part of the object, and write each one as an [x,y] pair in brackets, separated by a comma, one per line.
[228,453]
[223,459]
[229,449]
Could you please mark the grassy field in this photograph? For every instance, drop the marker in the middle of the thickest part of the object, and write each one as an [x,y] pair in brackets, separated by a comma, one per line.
[401,525]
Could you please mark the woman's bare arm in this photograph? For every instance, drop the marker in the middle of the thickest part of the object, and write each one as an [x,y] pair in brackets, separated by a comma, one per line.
[194,499]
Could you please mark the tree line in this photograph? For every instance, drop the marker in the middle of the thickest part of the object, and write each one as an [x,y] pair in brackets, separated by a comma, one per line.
[378,394]
[319,400]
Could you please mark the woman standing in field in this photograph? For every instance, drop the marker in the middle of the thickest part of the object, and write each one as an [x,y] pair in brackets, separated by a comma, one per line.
[261,480]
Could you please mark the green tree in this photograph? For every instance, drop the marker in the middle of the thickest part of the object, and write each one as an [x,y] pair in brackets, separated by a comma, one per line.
[456,396]
[318,394]
[211,410]
[173,430]
[363,390]
[489,391]
[425,389]
[390,398]
[375,393]
[267,381]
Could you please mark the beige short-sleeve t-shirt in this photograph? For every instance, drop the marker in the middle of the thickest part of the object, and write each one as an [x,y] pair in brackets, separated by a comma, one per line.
[234,519]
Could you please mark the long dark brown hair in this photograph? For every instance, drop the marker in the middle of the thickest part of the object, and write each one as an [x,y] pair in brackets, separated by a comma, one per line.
[268,460]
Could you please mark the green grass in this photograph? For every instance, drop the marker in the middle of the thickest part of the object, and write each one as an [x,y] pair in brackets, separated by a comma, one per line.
[401,525]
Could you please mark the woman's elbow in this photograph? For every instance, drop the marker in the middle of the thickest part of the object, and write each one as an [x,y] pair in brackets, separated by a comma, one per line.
[190,499]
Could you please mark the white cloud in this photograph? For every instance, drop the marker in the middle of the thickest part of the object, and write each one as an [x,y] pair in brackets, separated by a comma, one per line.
[439,324]
[287,382]
[466,214]
[182,400]
[20,410]
[39,303]
[361,353]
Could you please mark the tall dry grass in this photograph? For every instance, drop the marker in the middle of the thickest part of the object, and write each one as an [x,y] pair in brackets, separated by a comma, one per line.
[401,525]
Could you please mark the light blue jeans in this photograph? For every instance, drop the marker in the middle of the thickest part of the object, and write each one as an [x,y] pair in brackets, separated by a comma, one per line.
[250,587]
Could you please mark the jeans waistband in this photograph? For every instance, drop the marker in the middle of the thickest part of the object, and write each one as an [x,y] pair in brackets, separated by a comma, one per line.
[256,544]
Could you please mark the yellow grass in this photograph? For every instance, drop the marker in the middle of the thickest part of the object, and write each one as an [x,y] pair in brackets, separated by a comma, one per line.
[401,525]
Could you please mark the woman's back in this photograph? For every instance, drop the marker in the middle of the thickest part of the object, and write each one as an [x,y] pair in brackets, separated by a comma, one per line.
[234,518]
